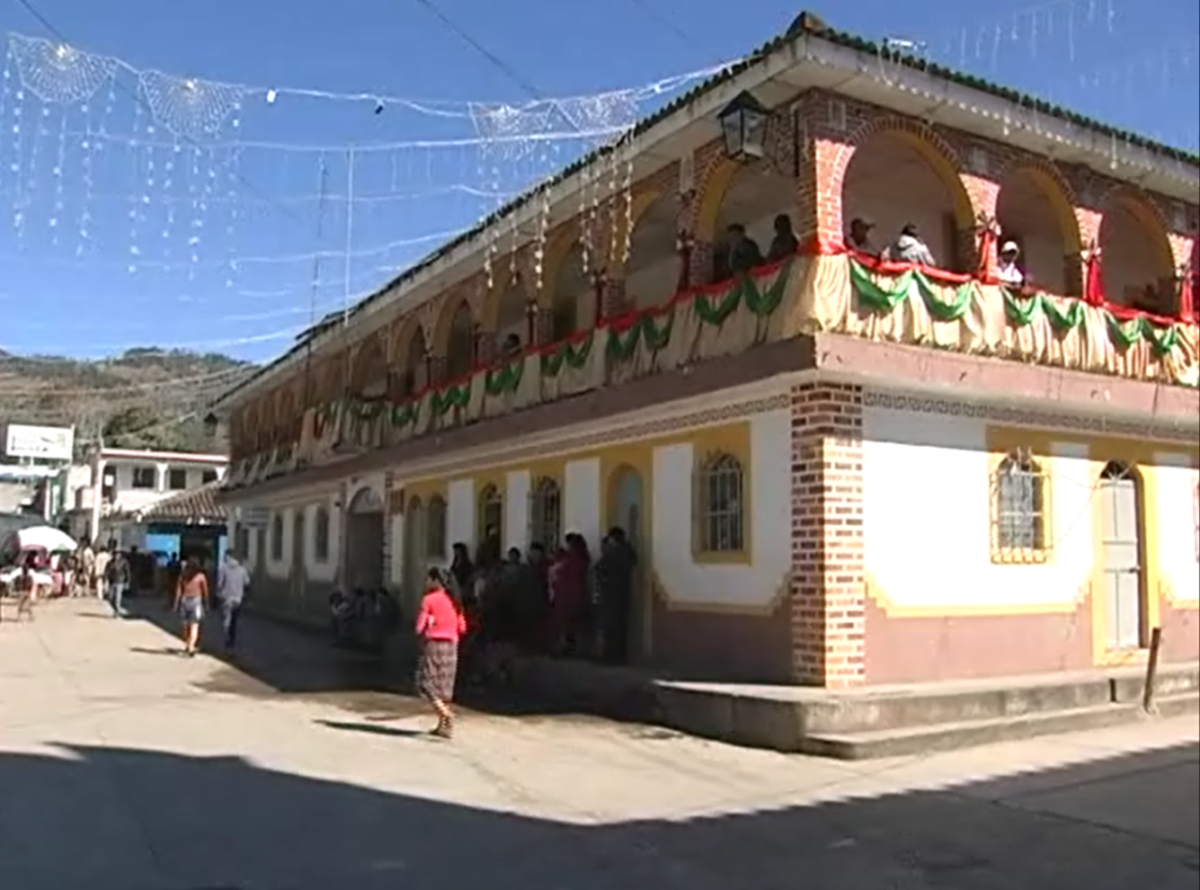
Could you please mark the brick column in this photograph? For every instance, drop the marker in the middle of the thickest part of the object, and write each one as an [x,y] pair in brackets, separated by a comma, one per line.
[700,263]
[984,195]
[437,370]
[485,347]
[543,328]
[827,608]
[613,304]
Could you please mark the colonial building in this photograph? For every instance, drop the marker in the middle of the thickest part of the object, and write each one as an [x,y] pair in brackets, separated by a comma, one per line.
[838,468]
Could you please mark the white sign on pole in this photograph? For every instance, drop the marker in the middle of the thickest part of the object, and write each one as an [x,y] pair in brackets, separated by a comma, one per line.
[47,442]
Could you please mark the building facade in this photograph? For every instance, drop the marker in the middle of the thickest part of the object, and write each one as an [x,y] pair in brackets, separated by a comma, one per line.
[837,469]
[124,481]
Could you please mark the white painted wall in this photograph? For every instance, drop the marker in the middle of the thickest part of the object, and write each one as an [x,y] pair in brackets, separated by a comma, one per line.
[737,585]
[321,570]
[927,516]
[1175,483]
[581,500]
[396,532]
[460,514]
[516,510]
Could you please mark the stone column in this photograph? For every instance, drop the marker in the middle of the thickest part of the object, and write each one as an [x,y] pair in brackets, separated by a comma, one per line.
[827,594]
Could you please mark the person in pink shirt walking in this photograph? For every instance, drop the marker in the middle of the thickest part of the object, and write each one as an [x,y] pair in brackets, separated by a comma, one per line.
[440,625]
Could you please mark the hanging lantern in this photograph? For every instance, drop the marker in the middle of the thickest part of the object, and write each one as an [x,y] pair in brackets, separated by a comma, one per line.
[744,126]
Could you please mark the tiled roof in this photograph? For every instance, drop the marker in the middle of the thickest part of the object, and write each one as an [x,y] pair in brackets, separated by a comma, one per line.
[805,23]
[195,505]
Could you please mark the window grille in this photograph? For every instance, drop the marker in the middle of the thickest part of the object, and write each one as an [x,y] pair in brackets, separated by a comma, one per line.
[321,535]
[435,528]
[545,514]
[491,513]
[1018,510]
[719,506]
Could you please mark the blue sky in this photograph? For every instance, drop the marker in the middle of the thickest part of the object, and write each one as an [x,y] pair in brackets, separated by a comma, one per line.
[116,232]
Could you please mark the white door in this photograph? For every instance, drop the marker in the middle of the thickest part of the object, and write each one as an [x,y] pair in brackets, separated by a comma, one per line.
[1121,555]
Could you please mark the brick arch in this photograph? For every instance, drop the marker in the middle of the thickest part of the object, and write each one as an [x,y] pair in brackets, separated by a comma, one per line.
[1149,215]
[1058,192]
[489,310]
[451,305]
[368,364]
[936,151]
[642,202]
[713,188]
[401,339]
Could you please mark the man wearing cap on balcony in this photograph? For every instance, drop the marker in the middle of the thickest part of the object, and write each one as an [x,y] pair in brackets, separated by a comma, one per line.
[1007,271]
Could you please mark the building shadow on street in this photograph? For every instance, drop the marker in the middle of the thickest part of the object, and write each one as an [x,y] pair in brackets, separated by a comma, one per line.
[121,819]
[278,658]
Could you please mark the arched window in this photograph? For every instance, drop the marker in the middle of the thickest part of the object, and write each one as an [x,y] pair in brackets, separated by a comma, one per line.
[408,378]
[277,538]
[491,513]
[435,528]
[1018,510]
[321,535]
[460,349]
[720,509]
[545,513]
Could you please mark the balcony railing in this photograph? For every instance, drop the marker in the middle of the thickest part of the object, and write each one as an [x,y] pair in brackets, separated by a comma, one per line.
[821,289]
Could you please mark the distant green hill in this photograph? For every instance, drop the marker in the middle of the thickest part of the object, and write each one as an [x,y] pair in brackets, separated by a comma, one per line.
[144,398]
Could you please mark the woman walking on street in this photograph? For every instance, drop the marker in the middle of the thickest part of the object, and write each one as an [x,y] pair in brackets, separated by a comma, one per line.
[190,595]
[440,625]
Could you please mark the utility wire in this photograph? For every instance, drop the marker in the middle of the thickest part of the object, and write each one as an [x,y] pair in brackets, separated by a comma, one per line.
[495,60]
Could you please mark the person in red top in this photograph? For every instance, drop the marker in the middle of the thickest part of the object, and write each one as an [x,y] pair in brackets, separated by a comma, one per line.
[440,625]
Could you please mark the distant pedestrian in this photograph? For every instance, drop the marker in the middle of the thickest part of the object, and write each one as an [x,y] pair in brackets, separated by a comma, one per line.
[440,625]
[119,574]
[232,583]
[99,580]
[25,587]
[190,596]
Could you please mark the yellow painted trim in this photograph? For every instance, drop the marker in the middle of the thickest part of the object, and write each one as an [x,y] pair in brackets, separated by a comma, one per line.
[712,195]
[642,202]
[1060,202]
[964,213]
[1139,456]
[732,440]
[766,610]
[637,457]
[499,481]
[1001,443]
[975,610]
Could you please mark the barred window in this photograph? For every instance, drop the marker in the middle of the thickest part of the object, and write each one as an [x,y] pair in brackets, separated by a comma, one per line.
[1018,509]
[545,513]
[435,528]
[720,511]
[277,538]
[491,512]
[321,535]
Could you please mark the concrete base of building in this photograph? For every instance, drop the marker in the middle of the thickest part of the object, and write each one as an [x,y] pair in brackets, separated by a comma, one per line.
[866,723]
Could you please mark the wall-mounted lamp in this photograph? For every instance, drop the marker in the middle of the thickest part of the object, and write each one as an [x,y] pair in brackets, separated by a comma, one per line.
[744,127]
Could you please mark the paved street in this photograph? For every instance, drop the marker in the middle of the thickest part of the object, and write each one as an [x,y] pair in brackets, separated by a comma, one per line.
[124,766]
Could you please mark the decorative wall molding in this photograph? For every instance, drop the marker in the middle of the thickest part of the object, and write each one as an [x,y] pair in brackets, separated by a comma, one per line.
[1030,417]
[654,428]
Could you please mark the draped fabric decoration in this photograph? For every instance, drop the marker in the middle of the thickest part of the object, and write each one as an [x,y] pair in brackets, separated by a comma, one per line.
[836,292]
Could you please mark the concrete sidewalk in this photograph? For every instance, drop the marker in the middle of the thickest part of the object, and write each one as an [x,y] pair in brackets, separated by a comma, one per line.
[126,767]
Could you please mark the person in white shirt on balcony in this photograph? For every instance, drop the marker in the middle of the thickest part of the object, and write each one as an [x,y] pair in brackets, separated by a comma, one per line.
[1007,270]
